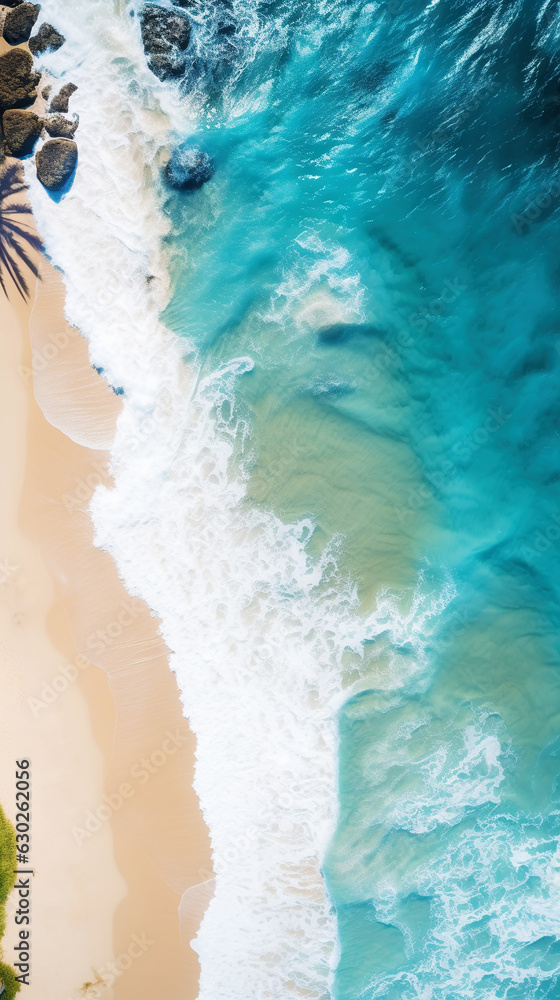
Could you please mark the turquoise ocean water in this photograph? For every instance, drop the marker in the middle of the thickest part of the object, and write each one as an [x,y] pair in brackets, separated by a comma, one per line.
[367,294]
[381,239]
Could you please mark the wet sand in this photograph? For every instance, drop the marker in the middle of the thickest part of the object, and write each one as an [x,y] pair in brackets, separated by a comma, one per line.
[118,836]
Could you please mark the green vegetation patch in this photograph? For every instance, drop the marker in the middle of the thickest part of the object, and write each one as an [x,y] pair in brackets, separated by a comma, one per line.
[7,879]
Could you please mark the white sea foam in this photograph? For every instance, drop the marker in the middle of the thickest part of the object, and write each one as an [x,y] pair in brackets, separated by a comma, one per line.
[491,882]
[257,629]
[494,917]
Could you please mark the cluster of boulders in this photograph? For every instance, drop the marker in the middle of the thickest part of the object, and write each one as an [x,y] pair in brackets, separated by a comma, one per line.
[19,22]
[166,34]
[21,127]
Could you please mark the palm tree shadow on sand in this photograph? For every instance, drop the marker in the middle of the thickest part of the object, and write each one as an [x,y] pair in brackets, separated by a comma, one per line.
[16,237]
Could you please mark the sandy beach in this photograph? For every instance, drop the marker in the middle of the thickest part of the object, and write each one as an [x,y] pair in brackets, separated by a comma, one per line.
[117,834]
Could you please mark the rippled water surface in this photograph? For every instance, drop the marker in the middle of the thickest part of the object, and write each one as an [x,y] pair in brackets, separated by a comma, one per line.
[361,529]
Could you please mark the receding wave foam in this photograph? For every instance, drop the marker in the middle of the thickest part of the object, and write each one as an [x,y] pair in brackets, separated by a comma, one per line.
[258,630]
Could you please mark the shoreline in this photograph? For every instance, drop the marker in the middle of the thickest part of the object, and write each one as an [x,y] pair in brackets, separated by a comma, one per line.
[33,641]
[137,818]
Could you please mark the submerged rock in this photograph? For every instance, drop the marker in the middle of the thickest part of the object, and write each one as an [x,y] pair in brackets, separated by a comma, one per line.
[21,131]
[47,39]
[60,102]
[188,168]
[18,81]
[165,36]
[60,127]
[56,162]
[19,22]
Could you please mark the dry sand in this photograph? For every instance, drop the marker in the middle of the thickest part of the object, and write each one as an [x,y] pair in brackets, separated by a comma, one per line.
[118,836]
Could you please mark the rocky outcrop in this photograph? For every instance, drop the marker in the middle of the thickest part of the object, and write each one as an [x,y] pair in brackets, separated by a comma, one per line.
[19,22]
[188,169]
[60,102]
[56,162]
[20,128]
[21,131]
[47,39]
[165,36]
[18,81]
[60,127]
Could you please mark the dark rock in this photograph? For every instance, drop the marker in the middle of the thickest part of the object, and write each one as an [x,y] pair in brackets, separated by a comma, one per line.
[21,131]
[18,81]
[12,3]
[165,36]
[60,102]
[60,127]
[47,39]
[56,161]
[45,93]
[188,168]
[168,65]
[19,22]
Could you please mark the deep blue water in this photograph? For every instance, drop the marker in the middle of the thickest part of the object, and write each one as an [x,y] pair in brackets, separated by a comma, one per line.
[381,237]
